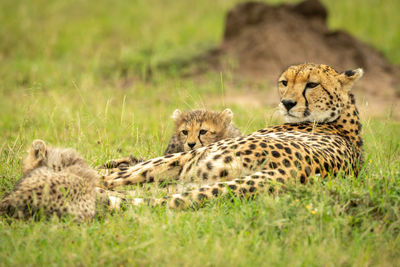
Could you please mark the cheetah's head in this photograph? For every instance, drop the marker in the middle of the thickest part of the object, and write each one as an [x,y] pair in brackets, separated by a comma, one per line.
[199,128]
[41,155]
[315,93]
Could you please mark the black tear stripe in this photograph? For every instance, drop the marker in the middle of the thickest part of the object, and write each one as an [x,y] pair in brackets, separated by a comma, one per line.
[306,112]
[198,137]
[325,90]
[329,94]
[200,140]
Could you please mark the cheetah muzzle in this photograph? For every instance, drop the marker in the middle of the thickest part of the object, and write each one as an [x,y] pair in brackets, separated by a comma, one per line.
[321,137]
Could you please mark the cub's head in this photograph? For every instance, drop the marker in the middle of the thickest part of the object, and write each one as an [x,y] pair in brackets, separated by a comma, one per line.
[315,93]
[198,128]
[40,155]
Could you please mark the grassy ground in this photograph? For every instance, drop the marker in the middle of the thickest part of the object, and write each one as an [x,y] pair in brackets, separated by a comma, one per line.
[75,73]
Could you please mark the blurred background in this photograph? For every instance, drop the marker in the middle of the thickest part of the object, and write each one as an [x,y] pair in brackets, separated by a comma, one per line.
[120,61]
[105,76]
[86,67]
[128,64]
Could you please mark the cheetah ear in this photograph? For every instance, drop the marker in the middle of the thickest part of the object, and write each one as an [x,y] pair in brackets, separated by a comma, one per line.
[38,149]
[37,153]
[227,115]
[176,114]
[350,77]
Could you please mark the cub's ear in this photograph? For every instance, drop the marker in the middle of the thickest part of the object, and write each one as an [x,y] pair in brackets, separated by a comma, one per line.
[227,115]
[37,153]
[38,149]
[176,114]
[349,77]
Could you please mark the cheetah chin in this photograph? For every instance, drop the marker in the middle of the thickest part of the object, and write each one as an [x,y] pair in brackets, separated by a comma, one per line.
[322,138]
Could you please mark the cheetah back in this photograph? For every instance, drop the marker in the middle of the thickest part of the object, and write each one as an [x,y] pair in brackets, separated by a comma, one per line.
[322,137]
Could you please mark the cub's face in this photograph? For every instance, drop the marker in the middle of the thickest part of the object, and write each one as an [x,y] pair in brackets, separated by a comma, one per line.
[315,93]
[201,127]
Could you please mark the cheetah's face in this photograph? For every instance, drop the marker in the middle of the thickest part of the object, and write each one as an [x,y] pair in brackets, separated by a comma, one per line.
[194,135]
[201,127]
[315,93]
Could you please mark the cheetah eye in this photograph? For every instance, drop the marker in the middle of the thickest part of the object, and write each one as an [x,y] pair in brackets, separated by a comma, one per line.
[284,83]
[311,85]
[184,132]
[202,131]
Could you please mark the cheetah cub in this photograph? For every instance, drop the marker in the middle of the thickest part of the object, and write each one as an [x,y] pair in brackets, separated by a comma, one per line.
[322,137]
[55,181]
[193,129]
[198,128]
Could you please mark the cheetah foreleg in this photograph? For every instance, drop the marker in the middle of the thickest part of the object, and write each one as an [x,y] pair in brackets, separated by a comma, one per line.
[121,162]
[113,199]
[246,186]
[158,169]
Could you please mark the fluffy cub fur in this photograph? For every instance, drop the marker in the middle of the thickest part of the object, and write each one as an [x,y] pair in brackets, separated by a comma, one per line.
[193,129]
[55,181]
[197,128]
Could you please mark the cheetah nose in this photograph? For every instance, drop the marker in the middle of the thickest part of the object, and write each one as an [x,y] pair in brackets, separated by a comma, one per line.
[289,104]
[191,145]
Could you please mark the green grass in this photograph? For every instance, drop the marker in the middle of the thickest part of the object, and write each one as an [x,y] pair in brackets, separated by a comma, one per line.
[75,73]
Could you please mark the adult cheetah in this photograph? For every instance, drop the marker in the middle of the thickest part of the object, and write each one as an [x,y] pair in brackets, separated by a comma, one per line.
[321,137]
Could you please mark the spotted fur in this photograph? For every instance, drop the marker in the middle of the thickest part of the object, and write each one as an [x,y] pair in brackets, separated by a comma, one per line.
[197,128]
[55,181]
[322,137]
[193,129]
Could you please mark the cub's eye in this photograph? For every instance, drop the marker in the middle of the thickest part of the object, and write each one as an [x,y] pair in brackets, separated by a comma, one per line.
[202,131]
[284,83]
[184,132]
[311,85]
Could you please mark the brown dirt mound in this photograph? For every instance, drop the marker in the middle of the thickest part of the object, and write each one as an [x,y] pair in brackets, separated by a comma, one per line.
[263,40]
